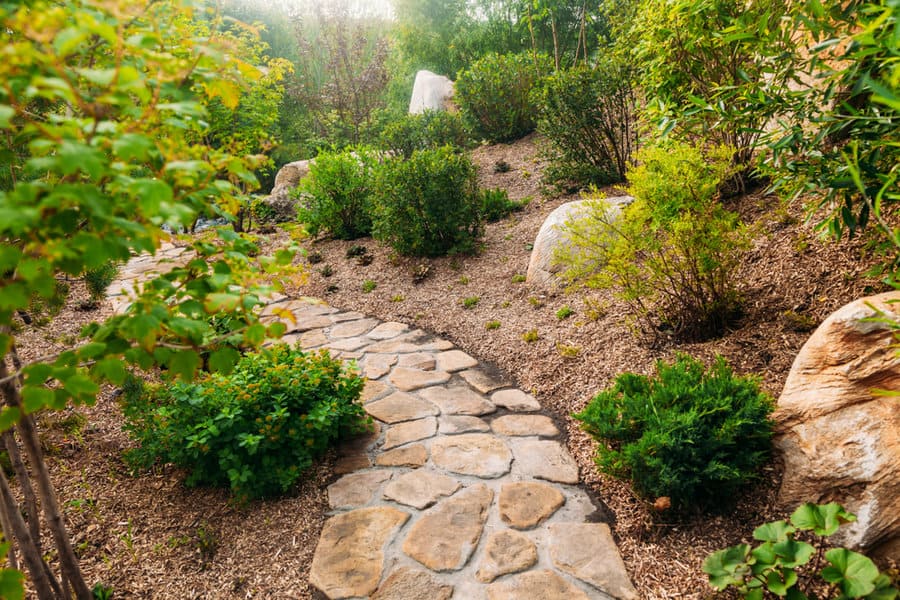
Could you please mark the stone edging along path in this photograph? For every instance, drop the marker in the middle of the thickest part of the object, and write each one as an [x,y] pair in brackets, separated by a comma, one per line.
[463,490]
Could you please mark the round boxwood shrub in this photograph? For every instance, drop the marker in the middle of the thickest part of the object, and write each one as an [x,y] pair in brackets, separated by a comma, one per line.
[335,195]
[691,434]
[255,430]
[427,131]
[495,94]
[429,204]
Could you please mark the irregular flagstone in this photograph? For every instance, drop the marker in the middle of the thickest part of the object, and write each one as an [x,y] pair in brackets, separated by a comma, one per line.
[476,454]
[410,431]
[388,330]
[524,505]
[445,536]
[544,459]
[418,360]
[516,400]
[378,365]
[349,558]
[347,316]
[352,329]
[360,443]
[482,381]
[506,552]
[356,489]
[522,425]
[407,379]
[351,463]
[458,400]
[399,407]
[454,360]
[420,488]
[373,390]
[587,551]
[412,584]
[295,324]
[313,339]
[535,585]
[351,344]
[413,456]
[456,424]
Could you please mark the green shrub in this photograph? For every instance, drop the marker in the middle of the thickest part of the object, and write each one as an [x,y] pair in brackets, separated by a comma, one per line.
[428,205]
[588,117]
[427,131]
[672,253]
[691,434]
[100,278]
[494,94]
[255,430]
[495,204]
[336,194]
[779,563]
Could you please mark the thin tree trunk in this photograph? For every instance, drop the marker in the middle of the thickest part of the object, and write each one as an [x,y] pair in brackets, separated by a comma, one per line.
[31,502]
[49,504]
[27,547]
[533,40]
[555,40]
[11,557]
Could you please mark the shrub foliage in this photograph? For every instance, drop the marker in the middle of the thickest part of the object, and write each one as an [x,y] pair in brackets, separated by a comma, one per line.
[428,205]
[427,131]
[336,194]
[690,433]
[588,117]
[255,430]
[495,94]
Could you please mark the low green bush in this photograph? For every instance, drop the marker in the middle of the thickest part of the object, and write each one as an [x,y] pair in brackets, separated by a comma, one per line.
[427,131]
[781,563]
[336,194]
[588,116]
[494,94]
[690,433]
[255,430]
[672,254]
[429,204]
[495,204]
[100,278]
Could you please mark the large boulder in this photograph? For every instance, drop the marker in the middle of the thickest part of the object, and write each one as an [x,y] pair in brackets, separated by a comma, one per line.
[283,206]
[542,268]
[840,438]
[430,92]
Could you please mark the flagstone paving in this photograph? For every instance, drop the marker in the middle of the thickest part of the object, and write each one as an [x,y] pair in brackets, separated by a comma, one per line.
[464,489]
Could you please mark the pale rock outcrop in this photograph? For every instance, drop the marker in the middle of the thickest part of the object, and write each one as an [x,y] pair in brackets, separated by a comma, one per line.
[284,207]
[840,438]
[430,92]
[542,268]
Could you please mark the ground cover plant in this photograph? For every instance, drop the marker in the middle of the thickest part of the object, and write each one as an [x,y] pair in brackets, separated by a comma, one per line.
[691,434]
[255,430]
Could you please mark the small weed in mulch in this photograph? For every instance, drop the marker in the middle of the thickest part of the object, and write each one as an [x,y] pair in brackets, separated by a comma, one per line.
[356,250]
[314,257]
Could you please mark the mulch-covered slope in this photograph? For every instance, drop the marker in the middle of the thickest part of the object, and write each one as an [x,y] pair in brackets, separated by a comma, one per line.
[149,537]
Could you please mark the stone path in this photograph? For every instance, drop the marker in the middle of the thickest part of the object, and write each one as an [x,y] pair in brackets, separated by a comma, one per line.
[463,490]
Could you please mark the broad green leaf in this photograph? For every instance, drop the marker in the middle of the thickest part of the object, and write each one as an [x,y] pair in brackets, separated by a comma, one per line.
[222,302]
[11,584]
[35,398]
[854,573]
[276,329]
[9,416]
[793,553]
[111,369]
[81,387]
[822,520]
[776,531]
[184,364]
[5,344]
[255,334]
[223,360]
[133,146]
[780,580]
[727,567]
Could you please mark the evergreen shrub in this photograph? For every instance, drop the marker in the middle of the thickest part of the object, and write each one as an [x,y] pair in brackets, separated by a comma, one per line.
[429,204]
[427,131]
[588,117]
[100,278]
[691,434]
[336,194]
[495,204]
[494,94]
[255,430]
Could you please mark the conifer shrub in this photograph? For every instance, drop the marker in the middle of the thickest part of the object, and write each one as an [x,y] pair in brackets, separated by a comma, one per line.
[494,94]
[336,194]
[255,430]
[496,205]
[427,131]
[587,114]
[429,204]
[672,254]
[692,434]
[100,278]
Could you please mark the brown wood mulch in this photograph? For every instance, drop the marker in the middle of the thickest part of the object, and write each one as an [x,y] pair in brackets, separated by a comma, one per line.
[150,537]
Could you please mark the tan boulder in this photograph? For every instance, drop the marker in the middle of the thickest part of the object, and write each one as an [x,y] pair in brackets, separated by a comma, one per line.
[841,439]
[288,177]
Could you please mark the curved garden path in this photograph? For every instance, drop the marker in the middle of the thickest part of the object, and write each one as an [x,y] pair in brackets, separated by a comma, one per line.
[463,490]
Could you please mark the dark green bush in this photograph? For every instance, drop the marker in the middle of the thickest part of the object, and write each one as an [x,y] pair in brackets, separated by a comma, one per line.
[588,117]
[100,278]
[336,194]
[691,434]
[495,204]
[427,131]
[255,430]
[428,205]
[495,94]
